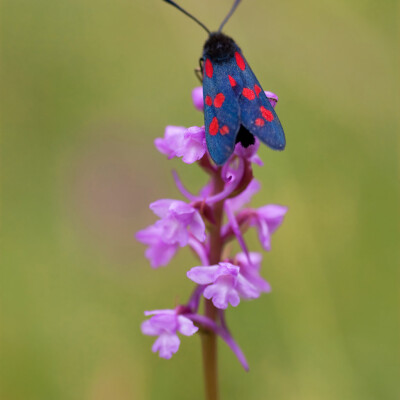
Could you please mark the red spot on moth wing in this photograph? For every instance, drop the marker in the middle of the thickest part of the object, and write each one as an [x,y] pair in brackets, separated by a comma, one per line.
[259,122]
[209,68]
[213,128]
[248,93]
[219,100]
[239,61]
[232,81]
[257,89]
[208,100]
[224,130]
[266,114]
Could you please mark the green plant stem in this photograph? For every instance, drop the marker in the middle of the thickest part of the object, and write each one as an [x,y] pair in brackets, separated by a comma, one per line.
[209,338]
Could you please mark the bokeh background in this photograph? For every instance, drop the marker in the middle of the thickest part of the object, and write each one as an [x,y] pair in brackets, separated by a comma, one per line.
[86,87]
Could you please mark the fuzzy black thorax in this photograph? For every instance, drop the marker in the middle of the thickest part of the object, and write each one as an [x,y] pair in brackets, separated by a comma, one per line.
[219,47]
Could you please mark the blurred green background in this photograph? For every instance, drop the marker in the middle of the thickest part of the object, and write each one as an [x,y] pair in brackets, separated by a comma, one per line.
[86,87]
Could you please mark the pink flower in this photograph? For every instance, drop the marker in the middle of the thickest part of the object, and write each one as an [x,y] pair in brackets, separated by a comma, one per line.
[178,218]
[159,253]
[194,145]
[178,221]
[225,284]
[267,220]
[197,98]
[251,270]
[173,138]
[272,97]
[188,143]
[165,324]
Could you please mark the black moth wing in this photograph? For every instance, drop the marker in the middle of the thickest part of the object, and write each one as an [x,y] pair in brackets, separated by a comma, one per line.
[221,111]
[256,112]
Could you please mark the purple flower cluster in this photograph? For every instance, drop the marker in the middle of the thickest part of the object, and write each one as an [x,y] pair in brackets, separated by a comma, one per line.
[230,278]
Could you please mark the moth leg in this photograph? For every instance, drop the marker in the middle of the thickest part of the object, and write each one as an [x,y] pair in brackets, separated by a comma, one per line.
[201,63]
[199,71]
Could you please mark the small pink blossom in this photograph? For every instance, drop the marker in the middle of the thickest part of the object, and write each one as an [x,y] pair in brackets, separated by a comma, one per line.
[193,146]
[272,97]
[166,324]
[188,143]
[250,268]
[172,140]
[266,219]
[225,284]
[178,221]
[159,253]
[197,98]
[178,218]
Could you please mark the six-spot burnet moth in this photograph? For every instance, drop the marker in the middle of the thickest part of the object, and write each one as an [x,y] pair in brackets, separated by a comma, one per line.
[235,106]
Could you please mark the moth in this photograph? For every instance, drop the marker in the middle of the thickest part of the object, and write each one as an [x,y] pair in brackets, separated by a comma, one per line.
[236,109]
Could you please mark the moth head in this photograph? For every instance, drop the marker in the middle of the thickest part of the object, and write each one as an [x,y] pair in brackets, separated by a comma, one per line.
[219,47]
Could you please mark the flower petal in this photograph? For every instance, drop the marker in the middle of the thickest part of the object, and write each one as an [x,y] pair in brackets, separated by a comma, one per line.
[177,218]
[149,235]
[149,329]
[182,209]
[165,322]
[250,271]
[222,293]
[160,323]
[273,214]
[272,97]
[264,234]
[243,261]
[194,145]
[160,254]
[167,344]
[174,231]
[197,227]
[246,289]
[172,140]
[203,275]
[197,98]
[163,311]
[186,326]
[162,207]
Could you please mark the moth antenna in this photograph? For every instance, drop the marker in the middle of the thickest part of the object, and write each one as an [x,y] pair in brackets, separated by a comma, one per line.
[189,15]
[235,4]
